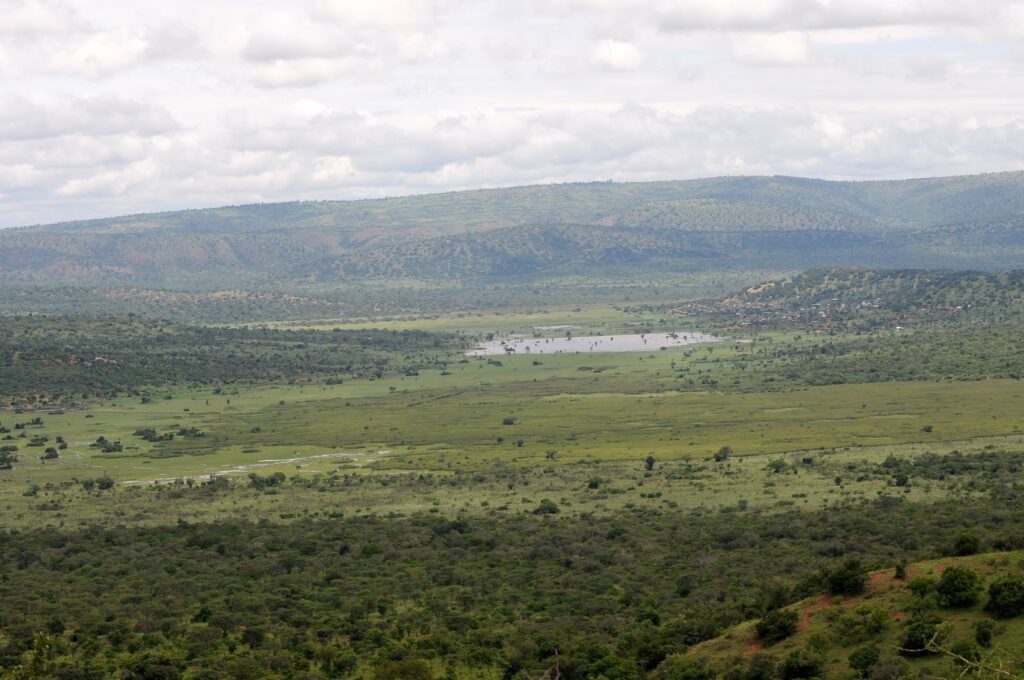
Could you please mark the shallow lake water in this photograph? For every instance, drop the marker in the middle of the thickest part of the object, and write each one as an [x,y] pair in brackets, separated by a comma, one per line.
[643,342]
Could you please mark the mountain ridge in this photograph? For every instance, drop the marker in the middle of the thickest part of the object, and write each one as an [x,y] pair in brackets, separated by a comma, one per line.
[774,222]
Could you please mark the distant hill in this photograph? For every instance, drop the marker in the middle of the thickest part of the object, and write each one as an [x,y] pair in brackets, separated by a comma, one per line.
[755,223]
[895,289]
[857,299]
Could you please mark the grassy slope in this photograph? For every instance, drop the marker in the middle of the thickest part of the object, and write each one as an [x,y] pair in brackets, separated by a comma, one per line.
[818,615]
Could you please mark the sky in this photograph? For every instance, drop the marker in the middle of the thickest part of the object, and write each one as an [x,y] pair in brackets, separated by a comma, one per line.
[111,107]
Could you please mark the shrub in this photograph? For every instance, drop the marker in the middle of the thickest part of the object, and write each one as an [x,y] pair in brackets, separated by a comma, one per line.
[983,631]
[966,544]
[848,578]
[860,625]
[965,651]
[959,587]
[921,586]
[761,666]
[889,668]
[802,663]
[546,507]
[863,658]
[776,625]
[918,634]
[1006,596]
[407,669]
[683,668]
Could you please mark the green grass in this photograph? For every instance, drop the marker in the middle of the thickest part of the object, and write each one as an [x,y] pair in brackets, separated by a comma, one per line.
[601,415]
[593,318]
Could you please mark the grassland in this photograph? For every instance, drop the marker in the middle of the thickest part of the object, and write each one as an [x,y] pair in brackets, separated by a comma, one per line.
[498,435]
[481,517]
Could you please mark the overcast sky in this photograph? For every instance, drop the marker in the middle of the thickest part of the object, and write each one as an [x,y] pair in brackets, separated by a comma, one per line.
[110,107]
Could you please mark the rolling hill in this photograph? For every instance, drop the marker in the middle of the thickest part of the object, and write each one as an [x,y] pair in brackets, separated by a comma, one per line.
[910,626]
[741,223]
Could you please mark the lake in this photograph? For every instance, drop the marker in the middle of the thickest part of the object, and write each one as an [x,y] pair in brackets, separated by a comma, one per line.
[643,342]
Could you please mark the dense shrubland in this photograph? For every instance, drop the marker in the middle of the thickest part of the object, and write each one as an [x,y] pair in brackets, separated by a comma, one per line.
[322,597]
[54,360]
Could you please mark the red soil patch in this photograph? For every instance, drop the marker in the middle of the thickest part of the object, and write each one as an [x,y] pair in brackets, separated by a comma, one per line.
[878,580]
[753,647]
[823,601]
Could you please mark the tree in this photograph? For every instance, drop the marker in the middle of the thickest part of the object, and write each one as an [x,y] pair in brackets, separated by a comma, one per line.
[776,625]
[723,454]
[683,668]
[38,666]
[920,633]
[863,658]
[761,666]
[958,587]
[8,457]
[1006,596]
[966,543]
[848,578]
[921,586]
[802,663]
[889,668]
[615,668]
[649,463]
[983,631]
[406,669]
[546,507]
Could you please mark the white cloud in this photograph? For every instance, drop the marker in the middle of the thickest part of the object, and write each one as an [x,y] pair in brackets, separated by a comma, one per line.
[105,110]
[292,49]
[791,47]
[100,54]
[34,18]
[782,15]
[22,118]
[378,14]
[616,55]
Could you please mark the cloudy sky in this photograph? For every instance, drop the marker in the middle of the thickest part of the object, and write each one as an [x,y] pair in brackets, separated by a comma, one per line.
[112,107]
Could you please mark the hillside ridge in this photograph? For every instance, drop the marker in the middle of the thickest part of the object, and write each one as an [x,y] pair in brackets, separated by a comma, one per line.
[728,223]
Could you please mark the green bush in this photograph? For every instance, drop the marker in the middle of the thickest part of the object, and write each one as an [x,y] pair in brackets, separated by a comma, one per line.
[921,586]
[683,668]
[965,651]
[889,668]
[407,669]
[918,635]
[1006,596]
[958,587]
[863,658]
[546,507]
[847,578]
[802,663]
[983,632]
[776,625]
[761,666]
[966,543]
